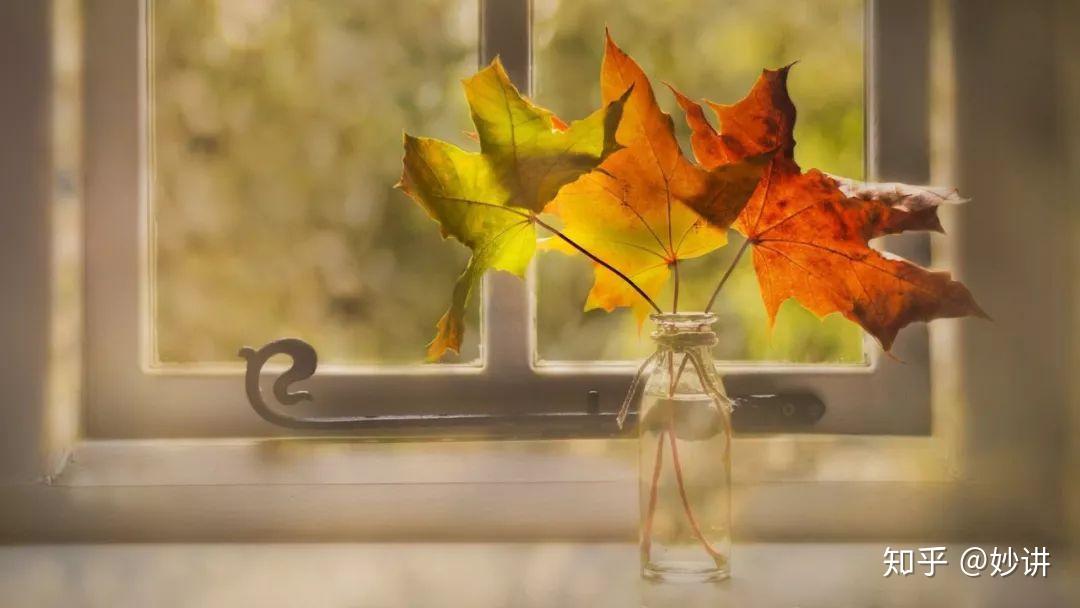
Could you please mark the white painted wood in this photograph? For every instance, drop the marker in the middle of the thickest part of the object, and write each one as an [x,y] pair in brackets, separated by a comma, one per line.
[840,488]
[484,575]
[127,397]
[995,461]
[26,447]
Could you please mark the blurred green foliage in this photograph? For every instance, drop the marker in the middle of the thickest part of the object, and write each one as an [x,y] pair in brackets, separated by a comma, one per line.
[276,140]
[277,130]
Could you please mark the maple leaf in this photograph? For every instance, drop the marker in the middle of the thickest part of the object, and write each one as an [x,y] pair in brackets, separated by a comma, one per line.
[917,200]
[488,200]
[637,210]
[810,232]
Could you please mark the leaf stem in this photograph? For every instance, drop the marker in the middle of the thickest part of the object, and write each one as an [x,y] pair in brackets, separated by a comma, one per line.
[539,222]
[675,300]
[727,274]
[654,493]
[712,551]
[682,368]
[716,292]
[591,256]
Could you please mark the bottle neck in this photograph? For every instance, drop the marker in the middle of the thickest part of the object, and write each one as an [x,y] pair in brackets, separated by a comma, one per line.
[680,332]
[685,340]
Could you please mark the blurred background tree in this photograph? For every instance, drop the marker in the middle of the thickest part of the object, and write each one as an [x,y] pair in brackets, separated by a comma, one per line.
[277,129]
[276,140]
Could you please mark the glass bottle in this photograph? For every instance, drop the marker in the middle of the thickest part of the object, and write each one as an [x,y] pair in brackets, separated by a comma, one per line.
[684,445]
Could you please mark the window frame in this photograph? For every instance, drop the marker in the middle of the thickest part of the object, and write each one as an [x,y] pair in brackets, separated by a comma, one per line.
[126,397]
[989,469]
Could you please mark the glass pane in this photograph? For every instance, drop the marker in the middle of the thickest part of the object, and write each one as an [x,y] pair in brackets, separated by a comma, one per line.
[712,49]
[276,143]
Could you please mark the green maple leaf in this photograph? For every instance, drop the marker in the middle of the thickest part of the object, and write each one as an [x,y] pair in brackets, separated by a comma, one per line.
[487,200]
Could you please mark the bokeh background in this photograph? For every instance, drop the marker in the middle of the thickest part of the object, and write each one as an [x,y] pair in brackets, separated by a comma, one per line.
[276,136]
[1006,395]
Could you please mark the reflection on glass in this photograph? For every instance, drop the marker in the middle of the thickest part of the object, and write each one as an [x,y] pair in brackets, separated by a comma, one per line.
[715,50]
[276,140]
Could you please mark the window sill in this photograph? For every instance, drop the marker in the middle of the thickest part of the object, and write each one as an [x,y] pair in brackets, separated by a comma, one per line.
[787,487]
[292,461]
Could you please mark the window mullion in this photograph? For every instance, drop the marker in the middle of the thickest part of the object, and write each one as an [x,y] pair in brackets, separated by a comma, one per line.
[898,81]
[897,136]
[505,31]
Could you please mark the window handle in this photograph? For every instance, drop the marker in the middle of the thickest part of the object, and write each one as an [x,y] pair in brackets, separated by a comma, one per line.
[304,362]
[787,412]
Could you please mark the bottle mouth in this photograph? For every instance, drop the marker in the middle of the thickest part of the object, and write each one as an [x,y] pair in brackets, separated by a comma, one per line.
[684,319]
[684,329]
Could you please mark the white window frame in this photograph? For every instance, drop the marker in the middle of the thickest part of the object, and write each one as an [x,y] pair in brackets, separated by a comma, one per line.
[205,401]
[1000,408]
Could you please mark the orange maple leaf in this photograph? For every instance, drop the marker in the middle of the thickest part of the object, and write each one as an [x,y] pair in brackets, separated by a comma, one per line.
[637,210]
[810,239]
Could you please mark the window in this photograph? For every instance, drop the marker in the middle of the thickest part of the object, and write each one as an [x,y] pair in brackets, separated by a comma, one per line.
[992,464]
[245,152]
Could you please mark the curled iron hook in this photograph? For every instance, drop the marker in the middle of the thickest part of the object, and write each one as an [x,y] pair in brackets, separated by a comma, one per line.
[304,362]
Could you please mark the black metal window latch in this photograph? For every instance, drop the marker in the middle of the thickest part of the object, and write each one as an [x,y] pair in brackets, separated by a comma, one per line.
[789,412]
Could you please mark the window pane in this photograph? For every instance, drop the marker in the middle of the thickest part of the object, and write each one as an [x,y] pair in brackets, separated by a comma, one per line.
[276,142]
[713,49]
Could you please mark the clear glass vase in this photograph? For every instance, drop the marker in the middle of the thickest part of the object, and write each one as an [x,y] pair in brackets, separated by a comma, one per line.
[685,455]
